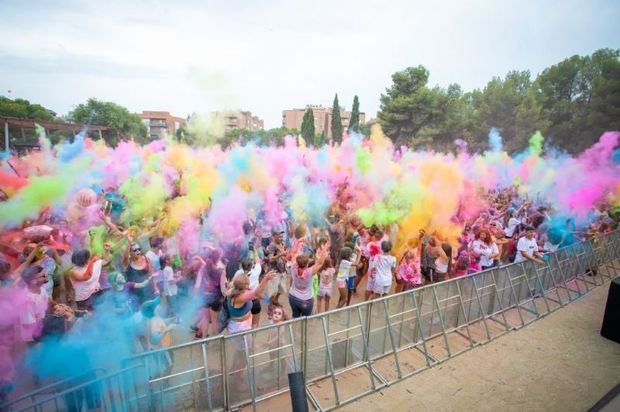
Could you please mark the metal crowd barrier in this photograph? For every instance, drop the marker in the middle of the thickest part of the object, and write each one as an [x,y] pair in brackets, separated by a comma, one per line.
[348,352]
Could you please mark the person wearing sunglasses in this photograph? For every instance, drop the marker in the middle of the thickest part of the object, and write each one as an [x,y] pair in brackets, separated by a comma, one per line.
[138,269]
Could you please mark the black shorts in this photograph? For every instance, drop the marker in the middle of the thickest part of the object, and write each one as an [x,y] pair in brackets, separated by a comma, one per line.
[428,273]
[212,301]
[255,307]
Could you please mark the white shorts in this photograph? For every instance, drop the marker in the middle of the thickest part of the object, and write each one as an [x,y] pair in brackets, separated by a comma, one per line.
[381,290]
[370,284]
[325,290]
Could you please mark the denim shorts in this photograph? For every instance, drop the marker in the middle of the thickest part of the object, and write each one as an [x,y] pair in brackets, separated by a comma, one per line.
[350,282]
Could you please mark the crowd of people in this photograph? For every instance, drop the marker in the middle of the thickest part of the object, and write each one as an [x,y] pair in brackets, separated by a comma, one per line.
[63,265]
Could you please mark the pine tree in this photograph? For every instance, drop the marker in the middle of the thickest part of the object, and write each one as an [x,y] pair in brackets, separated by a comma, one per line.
[307,127]
[336,121]
[354,125]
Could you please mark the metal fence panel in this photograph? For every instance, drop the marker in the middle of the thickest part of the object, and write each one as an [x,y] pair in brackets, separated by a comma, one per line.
[385,340]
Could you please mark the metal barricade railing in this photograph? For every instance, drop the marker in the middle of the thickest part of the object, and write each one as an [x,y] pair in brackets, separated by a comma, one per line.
[352,351]
[110,392]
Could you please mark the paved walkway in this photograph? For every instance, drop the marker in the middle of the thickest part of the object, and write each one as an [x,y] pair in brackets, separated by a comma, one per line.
[559,363]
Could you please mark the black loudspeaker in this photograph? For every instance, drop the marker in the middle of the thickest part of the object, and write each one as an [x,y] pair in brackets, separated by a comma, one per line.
[297,388]
[611,320]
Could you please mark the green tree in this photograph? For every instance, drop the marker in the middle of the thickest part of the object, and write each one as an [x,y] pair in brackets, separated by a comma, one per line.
[121,123]
[510,105]
[581,98]
[273,136]
[336,121]
[365,129]
[320,139]
[410,112]
[24,109]
[354,124]
[452,117]
[307,127]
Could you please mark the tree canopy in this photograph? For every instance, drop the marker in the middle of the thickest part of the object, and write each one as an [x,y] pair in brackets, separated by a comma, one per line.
[307,127]
[121,123]
[336,121]
[354,124]
[24,109]
[571,103]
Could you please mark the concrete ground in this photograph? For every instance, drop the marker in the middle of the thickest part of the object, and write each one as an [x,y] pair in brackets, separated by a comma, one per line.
[559,363]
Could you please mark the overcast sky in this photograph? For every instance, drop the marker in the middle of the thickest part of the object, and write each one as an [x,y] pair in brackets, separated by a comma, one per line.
[266,56]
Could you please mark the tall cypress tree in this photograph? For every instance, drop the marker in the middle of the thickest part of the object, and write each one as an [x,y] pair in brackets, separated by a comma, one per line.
[307,127]
[354,125]
[336,121]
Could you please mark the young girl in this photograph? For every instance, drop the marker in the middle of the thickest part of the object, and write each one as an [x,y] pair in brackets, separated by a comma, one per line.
[462,264]
[326,286]
[125,303]
[277,338]
[408,272]
[276,335]
[168,280]
[343,274]
[355,261]
[383,268]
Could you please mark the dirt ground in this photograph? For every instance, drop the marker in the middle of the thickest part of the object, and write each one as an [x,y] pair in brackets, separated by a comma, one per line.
[559,363]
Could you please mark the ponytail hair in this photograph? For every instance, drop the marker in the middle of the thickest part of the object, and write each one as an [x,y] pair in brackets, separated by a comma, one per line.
[239,285]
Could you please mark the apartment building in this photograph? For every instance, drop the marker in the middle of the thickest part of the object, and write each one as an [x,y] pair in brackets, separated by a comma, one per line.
[160,123]
[292,119]
[239,120]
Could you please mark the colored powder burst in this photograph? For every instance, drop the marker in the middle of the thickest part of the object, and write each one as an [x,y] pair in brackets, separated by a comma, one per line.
[536,144]
[145,196]
[95,239]
[41,191]
[68,151]
[495,140]
[363,160]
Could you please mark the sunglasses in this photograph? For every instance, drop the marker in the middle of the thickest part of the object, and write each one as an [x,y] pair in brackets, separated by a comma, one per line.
[136,250]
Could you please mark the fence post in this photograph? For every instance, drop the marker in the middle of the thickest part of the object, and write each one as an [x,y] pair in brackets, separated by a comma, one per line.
[368,325]
[226,399]
[304,348]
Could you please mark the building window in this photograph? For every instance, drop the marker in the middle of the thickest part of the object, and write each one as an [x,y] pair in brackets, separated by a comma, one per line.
[157,123]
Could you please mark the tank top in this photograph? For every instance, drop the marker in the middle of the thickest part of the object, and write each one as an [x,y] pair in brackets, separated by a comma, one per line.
[84,289]
[237,313]
[441,267]
[139,275]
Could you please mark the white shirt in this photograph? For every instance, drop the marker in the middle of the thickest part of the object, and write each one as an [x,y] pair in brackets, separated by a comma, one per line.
[253,275]
[485,251]
[85,288]
[154,259]
[31,316]
[167,278]
[383,265]
[344,269]
[527,246]
[512,225]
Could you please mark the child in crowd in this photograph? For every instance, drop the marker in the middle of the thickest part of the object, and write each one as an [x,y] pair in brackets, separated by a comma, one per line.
[355,260]
[408,273]
[342,279]
[278,337]
[461,268]
[384,268]
[326,286]
[169,289]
